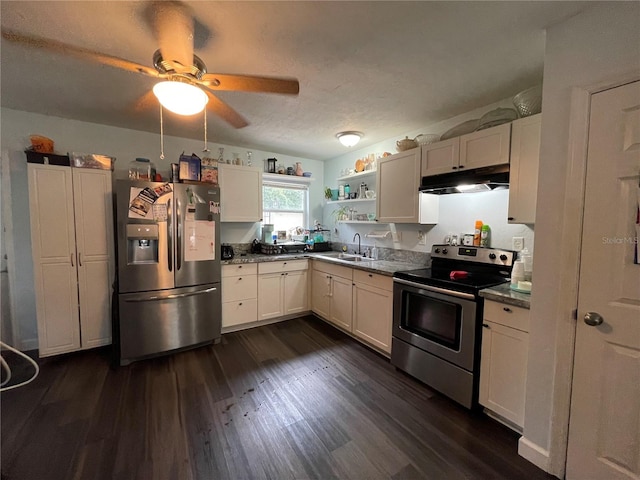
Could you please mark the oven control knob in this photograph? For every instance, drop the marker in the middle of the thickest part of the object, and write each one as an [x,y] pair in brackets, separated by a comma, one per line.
[492,256]
[437,250]
[445,251]
[503,257]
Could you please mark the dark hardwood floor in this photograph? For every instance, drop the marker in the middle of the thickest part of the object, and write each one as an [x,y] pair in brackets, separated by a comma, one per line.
[297,399]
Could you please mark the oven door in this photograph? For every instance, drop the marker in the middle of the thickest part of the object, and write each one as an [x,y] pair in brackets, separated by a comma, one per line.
[436,320]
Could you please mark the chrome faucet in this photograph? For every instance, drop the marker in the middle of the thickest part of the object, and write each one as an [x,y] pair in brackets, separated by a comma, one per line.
[354,239]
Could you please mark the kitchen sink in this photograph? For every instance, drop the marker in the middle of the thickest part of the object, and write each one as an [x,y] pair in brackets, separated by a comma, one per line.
[346,257]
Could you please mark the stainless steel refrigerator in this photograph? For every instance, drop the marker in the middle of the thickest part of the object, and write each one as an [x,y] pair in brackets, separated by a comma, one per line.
[168,282]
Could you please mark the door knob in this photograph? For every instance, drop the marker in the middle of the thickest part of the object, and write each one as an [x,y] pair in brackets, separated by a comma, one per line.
[593,319]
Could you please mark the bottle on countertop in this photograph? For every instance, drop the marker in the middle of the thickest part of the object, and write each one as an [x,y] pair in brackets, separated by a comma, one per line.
[477,233]
[484,235]
[374,252]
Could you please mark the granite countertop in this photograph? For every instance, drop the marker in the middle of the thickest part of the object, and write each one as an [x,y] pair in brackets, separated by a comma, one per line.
[504,294]
[383,267]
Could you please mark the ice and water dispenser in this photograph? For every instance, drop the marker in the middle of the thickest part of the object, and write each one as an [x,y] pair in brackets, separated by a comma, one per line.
[142,243]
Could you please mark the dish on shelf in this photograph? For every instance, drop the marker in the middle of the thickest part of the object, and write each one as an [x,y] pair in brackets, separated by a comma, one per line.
[461,129]
[497,117]
[405,144]
[371,217]
[426,138]
[529,102]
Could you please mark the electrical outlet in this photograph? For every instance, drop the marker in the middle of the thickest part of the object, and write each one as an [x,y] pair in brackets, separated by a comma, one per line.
[422,240]
[517,243]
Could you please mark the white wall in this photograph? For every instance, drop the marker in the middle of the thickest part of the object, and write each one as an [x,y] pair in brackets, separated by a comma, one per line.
[600,45]
[457,214]
[125,145]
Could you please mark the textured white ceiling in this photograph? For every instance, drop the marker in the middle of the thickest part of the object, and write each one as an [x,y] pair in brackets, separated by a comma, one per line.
[383,68]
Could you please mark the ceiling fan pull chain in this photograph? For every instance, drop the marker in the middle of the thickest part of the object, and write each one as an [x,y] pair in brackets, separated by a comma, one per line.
[205,131]
[161,135]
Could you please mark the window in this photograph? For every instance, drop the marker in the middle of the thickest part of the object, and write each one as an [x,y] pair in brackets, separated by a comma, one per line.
[285,205]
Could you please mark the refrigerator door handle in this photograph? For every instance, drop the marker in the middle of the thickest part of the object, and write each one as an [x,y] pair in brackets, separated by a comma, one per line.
[169,237]
[179,235]
[171,296]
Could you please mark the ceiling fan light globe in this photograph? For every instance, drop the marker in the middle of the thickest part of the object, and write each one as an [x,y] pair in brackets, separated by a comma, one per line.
[180,97]
[349,139]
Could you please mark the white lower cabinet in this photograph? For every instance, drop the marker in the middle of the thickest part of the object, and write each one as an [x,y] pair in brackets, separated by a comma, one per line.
[239,294]
[71,220]
[503,367]
[358,302]
[331,295]
[282,288]
[373,308]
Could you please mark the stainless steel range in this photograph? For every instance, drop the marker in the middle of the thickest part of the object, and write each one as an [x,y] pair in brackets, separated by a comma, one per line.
[437,317]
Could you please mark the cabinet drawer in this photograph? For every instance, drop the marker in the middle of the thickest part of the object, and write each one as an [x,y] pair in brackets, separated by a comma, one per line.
[239,288]
[286,266]
[238,270]
[374,279]
[507,315]
[236,313]
[332,269]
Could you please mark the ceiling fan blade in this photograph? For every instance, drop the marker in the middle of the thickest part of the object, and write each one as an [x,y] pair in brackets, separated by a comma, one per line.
[224,111]
[173,23]
[249,83]
[77,52]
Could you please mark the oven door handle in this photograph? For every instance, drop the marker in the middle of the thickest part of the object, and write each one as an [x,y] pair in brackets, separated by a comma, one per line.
[430,288]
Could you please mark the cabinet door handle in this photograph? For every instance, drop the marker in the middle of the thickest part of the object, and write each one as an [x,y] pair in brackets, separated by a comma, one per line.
[460,166]
[240,304]
[71,256]
[239,278]
[80,259]
[507,309]
[371,275]
[240,266]
[484,325]
[511,218]
[454,168]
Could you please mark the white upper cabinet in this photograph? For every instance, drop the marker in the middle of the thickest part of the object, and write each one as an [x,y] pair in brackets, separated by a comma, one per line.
[523,175]
[240,193]
[397,186]
[440,157]
[483,148]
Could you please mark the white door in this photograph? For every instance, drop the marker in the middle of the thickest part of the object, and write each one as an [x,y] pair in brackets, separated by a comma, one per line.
[54,258]
[270,292]
[341,302]
[604,431]
[94,238]
[295,292]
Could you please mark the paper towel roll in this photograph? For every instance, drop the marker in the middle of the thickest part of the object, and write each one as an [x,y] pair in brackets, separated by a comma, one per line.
[517,274]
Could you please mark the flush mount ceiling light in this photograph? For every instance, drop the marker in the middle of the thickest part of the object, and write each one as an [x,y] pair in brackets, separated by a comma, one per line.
[349,139]
[180,95]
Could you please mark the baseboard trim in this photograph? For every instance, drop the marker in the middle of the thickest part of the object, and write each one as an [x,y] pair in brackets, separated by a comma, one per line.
[535,454]
[29,344]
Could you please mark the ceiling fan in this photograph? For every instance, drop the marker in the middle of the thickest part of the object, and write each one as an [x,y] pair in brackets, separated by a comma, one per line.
[181,71]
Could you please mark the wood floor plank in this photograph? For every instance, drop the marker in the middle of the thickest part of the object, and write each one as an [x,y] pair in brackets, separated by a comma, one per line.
[293,400]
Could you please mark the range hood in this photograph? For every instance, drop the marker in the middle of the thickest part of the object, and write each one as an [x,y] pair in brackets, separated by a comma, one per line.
[467,181]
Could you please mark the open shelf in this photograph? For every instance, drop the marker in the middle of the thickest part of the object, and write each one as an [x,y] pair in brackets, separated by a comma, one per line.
[355,176]
[369,222]
[356,200]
